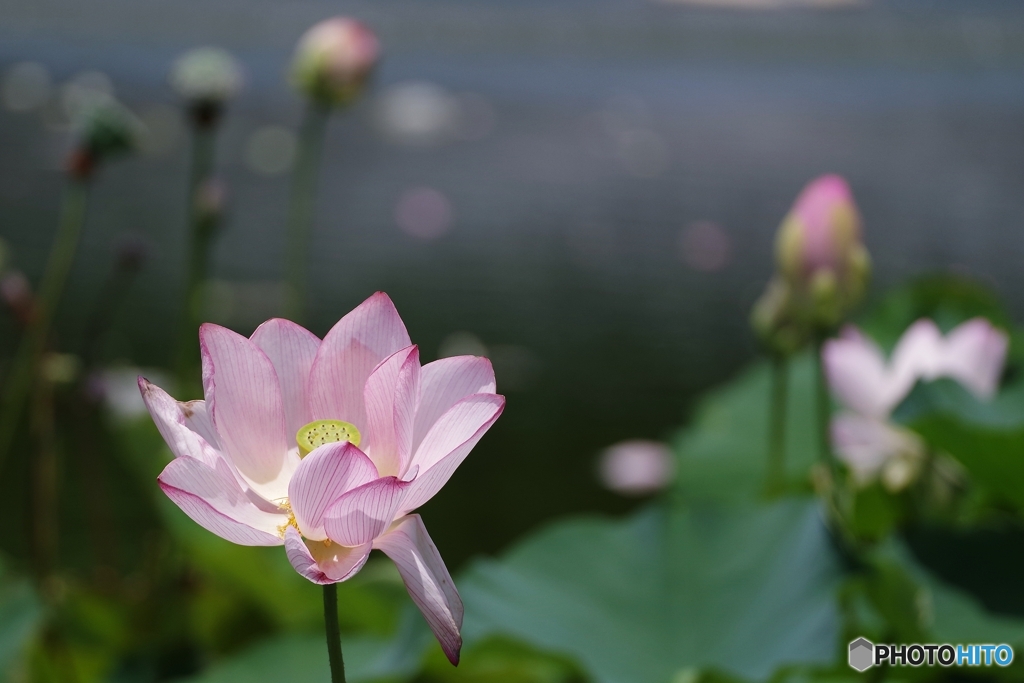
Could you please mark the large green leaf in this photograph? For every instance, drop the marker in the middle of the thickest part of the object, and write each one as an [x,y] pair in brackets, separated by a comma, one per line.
[994,458]
[21,613]
[743,590]
[723,454]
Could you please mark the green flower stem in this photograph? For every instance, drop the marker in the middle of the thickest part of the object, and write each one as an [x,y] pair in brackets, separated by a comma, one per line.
[301,208]
[24,369]
[777,425]
[201,229]
[333,633]
[44,478]
[823,405]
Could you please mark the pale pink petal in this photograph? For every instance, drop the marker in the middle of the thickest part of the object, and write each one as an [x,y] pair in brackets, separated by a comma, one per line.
[444,383]
[322,563]
[391,394]
[348,354]
[172,420]
[866,444]
[974,355]
[363,514]
[291,348]
[199,420]
[858,375]
[427,580]
[464,421]
[321,478]
[244,397]
[448,444]
[919,354]
[215,501]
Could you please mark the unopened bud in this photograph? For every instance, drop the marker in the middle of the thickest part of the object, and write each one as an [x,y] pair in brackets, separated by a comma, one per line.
[104,130]
[16,293]
[206,78]
[820,254]
[210,199]
[333,60]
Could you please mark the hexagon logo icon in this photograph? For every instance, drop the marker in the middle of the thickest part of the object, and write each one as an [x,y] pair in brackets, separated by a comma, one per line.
[862,654]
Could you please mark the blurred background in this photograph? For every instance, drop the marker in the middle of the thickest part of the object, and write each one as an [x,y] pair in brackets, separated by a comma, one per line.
[586,192]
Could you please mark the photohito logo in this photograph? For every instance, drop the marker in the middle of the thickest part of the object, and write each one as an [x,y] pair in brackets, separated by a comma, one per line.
[864,654]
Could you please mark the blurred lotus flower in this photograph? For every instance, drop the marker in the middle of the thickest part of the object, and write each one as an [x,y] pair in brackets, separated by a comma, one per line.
[875,448]
[326,447]
[104,129]
[820,254]
[637,467]
[206,78]
[333,60]
[870,388]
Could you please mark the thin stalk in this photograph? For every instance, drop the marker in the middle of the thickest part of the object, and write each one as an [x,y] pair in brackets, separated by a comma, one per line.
[301,208]
[823,406]
[333,633]
[200,238]
[44,528]
[26,361]
[777,424]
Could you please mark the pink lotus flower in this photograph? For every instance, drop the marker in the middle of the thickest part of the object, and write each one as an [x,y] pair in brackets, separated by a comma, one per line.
[870,388]
[326,447]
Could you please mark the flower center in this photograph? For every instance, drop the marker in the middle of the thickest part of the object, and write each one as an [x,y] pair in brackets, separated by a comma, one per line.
[321,432]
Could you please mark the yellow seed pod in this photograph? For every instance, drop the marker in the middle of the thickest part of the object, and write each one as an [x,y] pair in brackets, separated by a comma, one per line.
[321,432]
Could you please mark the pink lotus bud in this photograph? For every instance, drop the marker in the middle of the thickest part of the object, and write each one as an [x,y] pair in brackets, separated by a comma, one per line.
[16,293]
[210,200]
[820,253]
[333,61]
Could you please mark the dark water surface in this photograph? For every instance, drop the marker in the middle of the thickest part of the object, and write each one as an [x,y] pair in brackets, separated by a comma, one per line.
[606,131]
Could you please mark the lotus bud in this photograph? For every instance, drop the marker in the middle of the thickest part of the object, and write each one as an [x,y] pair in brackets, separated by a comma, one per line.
[206,78]
[333,61]
[104,130]
[16,293]
[820,254]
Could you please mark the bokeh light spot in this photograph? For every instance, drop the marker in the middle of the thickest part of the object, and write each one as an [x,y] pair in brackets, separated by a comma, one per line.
[704,246]
[423,212]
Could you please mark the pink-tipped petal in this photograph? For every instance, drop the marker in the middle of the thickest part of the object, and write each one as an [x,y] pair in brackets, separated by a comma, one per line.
[391,394]
[348,354]
[859,377]
[291,348]
[427,580]
[215,501]
[974,356]
[363,514]
[321,478]
[177,425]
[448,444]
[322,563]
[244,398]
[444,383]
